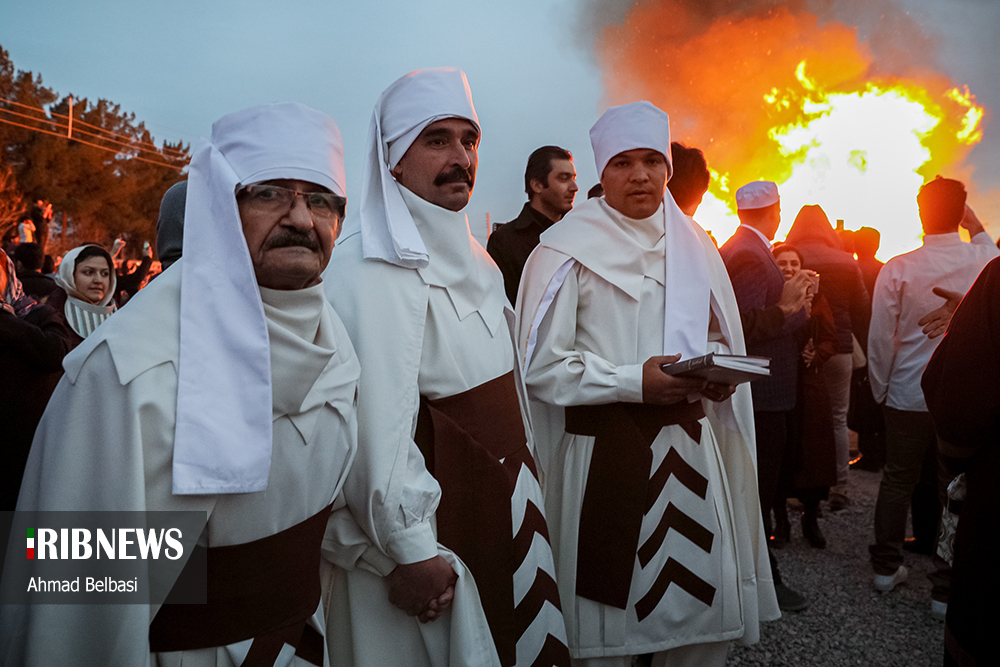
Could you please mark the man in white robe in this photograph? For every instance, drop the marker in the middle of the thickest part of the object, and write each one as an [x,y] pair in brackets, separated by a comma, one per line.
[650,489]
[444,449]
[227,386]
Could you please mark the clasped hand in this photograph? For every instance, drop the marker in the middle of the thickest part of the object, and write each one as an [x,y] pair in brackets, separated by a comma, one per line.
[424,589]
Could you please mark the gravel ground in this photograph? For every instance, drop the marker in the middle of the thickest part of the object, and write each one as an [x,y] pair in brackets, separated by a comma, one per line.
[848,622]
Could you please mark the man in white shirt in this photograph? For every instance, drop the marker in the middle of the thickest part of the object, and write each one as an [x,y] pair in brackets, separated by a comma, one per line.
[898,351]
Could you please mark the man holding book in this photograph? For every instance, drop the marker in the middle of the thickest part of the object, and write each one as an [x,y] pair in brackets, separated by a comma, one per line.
[650,479]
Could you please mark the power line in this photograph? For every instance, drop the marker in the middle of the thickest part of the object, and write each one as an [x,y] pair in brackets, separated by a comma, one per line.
[115,143]
[82,122]
[87,143]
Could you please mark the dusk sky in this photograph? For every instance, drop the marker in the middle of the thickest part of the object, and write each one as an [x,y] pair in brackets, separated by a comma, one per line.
[179,66]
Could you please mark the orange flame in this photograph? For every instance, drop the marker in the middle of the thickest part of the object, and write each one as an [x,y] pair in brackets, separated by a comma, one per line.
[781,97]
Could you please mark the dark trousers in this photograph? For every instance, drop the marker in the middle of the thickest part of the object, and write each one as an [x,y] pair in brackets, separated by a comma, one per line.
[771,429]
[909,436]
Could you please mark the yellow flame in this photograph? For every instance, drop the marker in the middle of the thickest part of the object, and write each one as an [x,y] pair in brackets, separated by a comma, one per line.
[858,154]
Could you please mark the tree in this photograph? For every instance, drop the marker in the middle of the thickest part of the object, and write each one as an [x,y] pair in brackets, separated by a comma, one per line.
[108,179]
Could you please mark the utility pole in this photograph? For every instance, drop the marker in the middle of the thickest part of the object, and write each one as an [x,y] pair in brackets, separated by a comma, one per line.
[69,129]
[488,228]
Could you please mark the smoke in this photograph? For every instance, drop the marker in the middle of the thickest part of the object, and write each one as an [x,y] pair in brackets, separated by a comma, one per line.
[711,64]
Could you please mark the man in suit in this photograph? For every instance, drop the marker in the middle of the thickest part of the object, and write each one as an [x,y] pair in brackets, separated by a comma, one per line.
[771,310]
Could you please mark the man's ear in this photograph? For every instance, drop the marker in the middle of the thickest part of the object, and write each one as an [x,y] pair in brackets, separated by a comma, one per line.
[537,186]
[397,170]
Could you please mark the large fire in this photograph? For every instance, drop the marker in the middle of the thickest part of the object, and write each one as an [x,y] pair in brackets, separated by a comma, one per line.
[780,97]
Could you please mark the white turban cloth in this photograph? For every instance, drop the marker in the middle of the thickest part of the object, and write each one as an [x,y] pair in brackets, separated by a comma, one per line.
[222,441]
[630,126]
[402,112]
[687,290]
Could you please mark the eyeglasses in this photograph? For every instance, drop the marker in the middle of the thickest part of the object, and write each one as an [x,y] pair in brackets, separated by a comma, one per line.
[268,198]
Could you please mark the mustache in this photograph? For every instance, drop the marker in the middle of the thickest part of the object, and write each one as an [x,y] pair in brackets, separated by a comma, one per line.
[288,238]
[455,175]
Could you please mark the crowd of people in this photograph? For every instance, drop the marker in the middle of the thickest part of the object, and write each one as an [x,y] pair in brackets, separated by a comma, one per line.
[413,450]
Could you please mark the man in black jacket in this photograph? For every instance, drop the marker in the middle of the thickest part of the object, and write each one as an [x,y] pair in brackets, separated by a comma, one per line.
[550,182]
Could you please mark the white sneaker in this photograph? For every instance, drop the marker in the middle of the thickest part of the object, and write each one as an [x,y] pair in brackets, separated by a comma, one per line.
[939,609]
[887,582]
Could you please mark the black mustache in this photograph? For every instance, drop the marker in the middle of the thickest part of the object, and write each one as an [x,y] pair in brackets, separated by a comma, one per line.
[456,175]
[288,238]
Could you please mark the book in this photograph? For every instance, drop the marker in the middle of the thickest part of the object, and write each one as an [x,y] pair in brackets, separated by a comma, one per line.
[721,368]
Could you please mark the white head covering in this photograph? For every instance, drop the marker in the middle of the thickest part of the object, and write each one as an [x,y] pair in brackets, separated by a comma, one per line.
[630,126]
[758,194]
[687,287]
[402,112]
[222,442]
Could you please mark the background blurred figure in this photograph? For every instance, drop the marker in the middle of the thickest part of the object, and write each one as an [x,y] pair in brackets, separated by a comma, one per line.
[550,183]
[810,465]
[86,280]
[769,323]
[170,225]
[898,352]
[28,258]
[864,415]
[130,282]
[34,339]
[689,181]
[962,389]
[840,283]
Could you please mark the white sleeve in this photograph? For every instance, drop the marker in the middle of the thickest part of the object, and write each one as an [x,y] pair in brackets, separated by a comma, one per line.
[882,332]
[561,374]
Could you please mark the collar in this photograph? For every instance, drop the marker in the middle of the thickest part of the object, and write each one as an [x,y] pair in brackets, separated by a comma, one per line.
[942,239]
[457,262]
[531,216]
[760,235]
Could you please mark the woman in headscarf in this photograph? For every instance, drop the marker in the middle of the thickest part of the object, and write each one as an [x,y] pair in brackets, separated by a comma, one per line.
[86,279]
[841,284]
[810,466]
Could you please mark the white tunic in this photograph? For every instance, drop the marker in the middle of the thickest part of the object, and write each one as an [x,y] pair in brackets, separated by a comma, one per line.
[432,332]
[106,441]
[588,350]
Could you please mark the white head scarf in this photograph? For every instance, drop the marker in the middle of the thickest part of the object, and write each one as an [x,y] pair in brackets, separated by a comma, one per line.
[402,112]
[222,441]
[630,126]
[686,283]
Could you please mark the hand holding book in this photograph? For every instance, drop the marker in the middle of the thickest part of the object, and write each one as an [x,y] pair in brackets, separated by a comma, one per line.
[723,369]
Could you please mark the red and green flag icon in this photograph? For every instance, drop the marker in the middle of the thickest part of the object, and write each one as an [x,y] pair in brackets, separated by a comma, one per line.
[31,544]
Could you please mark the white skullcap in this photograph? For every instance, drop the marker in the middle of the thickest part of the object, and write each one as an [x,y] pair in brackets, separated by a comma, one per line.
[402,112]
[630,126]
[758,194]
[222,441]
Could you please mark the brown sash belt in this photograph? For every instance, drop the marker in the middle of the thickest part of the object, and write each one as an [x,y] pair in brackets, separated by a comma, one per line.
[263,590]
[463,439]
[614,500]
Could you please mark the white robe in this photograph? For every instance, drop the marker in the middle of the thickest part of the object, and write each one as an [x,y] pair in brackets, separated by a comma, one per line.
[417,336]
[588,349]
[106,443]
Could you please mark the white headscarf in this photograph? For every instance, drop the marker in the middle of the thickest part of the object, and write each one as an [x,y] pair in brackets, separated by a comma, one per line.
[83,316]
[402,112]
[222,441]
[686,284]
